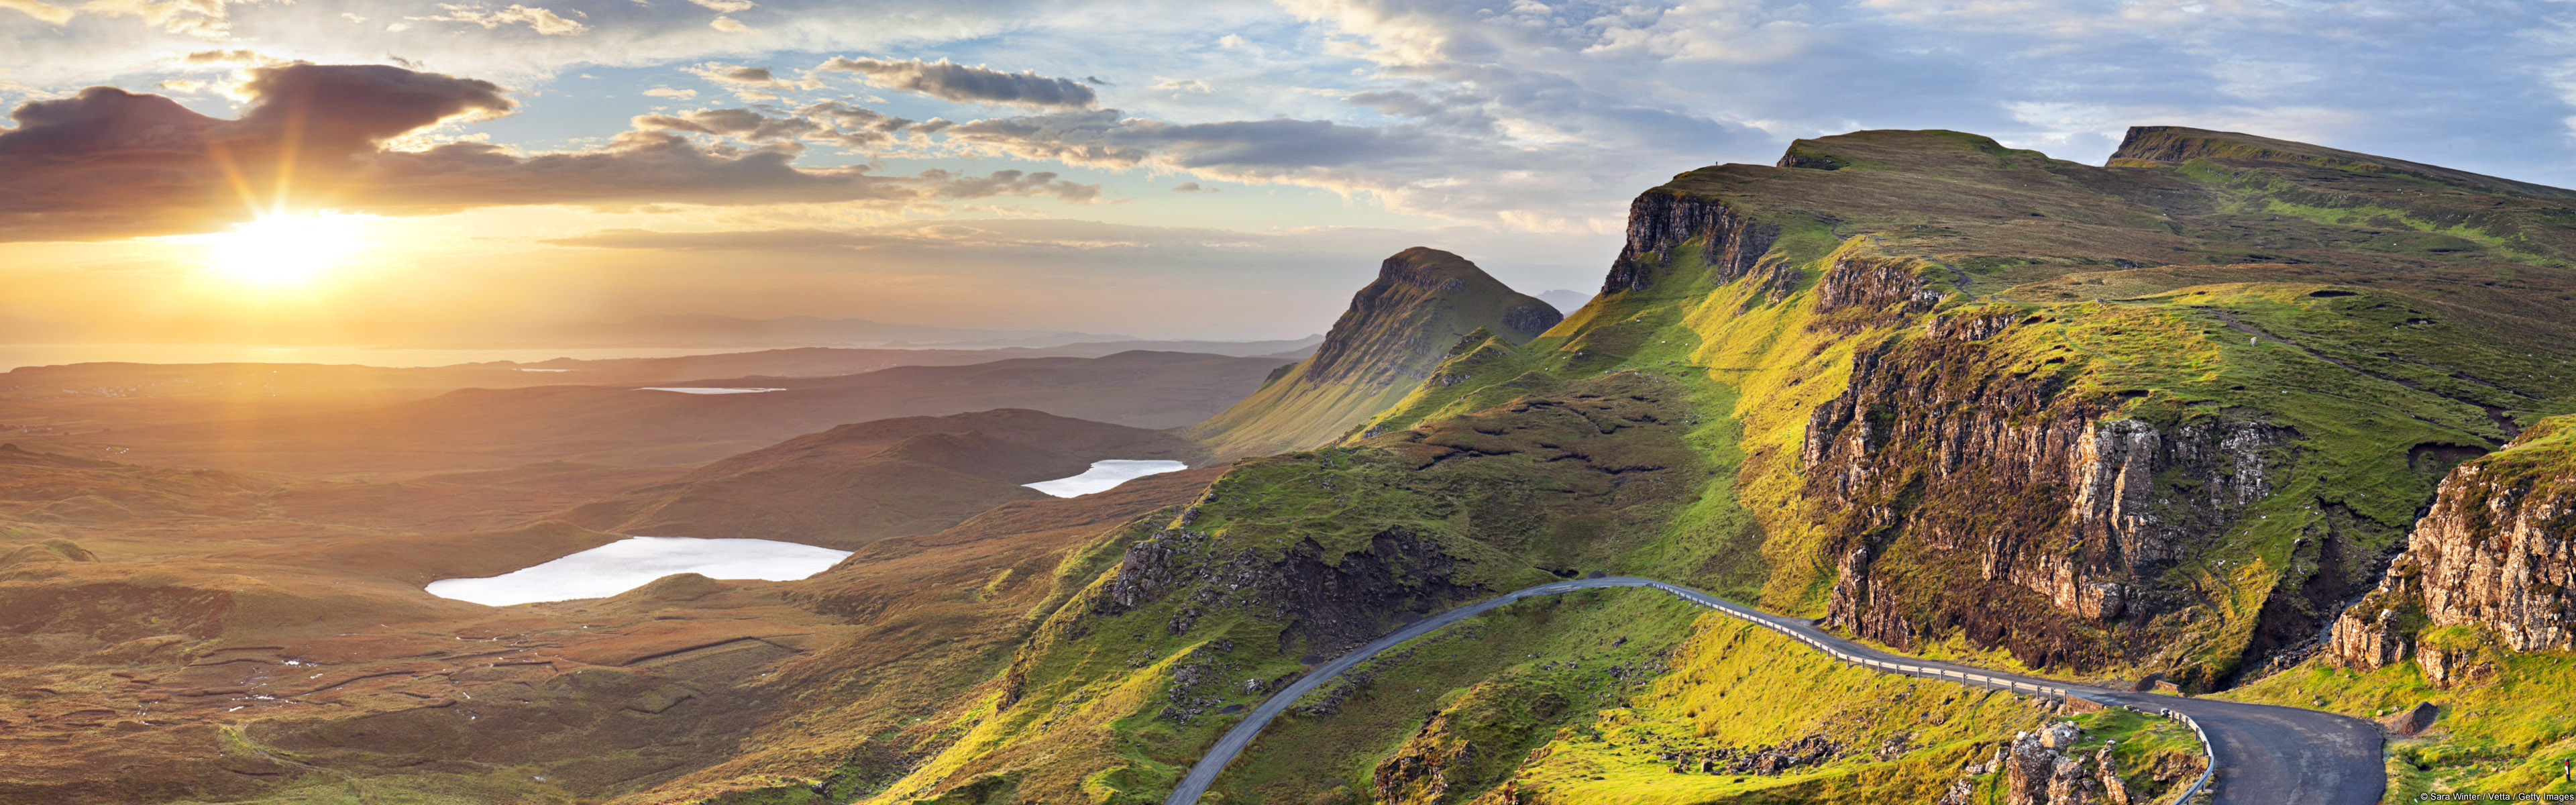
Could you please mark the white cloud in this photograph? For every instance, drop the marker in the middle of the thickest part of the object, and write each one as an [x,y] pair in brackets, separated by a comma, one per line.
[39,10]
[542,21]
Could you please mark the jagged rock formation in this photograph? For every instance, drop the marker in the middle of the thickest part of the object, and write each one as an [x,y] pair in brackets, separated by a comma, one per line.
[2493,560]
[2043,768]
[1396,331]
[2035,495]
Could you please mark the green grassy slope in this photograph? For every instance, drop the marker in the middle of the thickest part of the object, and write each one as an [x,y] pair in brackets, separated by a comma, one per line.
[2160,417]
[1424,300]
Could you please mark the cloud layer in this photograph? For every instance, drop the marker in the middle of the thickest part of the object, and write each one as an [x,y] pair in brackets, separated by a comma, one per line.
[108,163]
[963,84]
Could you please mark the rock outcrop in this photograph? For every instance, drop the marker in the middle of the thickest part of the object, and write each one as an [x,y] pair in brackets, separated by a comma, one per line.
[1732,244]
[2007,483]
[2492,561]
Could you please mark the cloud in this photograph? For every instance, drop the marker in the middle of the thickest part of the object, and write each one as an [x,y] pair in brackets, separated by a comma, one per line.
[667,92]
[238,57]
[1003,234]
[1013,183]
[834,122]
[750,82]
[1191,187]
[205,19]
[726,6]
[544,22]
[728,25]
[963,84]
[108,163]
[39,10]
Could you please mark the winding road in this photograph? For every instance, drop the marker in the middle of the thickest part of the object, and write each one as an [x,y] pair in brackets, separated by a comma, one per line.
[2264,754]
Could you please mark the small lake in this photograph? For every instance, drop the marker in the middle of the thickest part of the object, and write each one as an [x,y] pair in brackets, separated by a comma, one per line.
[705,390]
[1104,476]
[635,561]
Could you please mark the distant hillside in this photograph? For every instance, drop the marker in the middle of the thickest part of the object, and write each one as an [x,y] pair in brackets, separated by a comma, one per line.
[705,329]
[1396,330]
[1565,301]
[859,483]
[620,425]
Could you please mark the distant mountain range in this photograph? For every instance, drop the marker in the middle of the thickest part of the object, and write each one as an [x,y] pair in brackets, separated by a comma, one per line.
[707,329]
[683,330]
[1563,300]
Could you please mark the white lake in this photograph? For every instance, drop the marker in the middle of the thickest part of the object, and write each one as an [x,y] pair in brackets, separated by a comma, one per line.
[635,561]
[704,390]
[1104,476]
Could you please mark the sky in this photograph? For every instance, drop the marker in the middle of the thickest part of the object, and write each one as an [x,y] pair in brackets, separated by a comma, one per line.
[388,171]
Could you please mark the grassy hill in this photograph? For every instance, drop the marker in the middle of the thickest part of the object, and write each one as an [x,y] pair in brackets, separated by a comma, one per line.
[1396,330]
[2165,416]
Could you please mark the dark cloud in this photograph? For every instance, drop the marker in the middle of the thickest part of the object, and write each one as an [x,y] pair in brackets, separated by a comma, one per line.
[107,163]
[352,106]
[963,84]
[1191,187]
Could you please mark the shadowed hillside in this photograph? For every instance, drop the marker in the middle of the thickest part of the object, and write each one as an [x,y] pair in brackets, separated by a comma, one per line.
[1397,329]
[859,483]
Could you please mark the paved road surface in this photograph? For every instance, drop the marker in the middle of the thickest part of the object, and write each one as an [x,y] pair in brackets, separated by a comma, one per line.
[2265,754]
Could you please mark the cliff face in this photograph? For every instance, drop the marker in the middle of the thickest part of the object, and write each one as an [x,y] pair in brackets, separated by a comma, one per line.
[1395,333]
[1730,243]
[1944,472]
[2496,555]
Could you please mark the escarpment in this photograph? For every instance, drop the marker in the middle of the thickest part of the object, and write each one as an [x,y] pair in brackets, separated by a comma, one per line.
[1328,606]
[2064,416]
[2491,563]
[1946,471]
[1730,242]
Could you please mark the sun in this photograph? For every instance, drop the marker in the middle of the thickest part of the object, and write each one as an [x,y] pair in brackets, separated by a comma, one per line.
[284,249]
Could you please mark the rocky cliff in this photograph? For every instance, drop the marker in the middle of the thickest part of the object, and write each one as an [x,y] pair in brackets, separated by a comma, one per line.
[2491,563]
[1397,330]
[2094,417]
[2041,497]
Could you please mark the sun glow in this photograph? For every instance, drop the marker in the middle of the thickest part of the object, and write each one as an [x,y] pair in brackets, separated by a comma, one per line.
[284,249]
